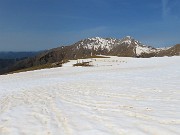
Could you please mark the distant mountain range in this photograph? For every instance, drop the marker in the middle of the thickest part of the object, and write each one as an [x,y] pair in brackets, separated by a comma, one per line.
[8,59]
[126,47]
[16,55]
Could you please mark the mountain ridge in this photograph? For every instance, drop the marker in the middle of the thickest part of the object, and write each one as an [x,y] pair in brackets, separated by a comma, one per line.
[125,47]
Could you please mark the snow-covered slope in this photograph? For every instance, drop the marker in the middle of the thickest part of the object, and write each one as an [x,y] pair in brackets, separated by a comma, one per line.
[98,43]
[118,96]
[108,44]
[145,49]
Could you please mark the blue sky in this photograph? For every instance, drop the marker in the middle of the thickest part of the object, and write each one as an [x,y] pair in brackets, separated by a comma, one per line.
[31,25]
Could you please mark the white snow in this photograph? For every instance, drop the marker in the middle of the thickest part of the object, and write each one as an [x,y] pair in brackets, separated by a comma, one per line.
[118,96]
[127,42]
[164,48]
[128,37]
[144,49]
[97,42]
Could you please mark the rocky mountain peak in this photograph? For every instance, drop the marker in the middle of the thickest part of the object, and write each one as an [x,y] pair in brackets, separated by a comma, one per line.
[107,44]
[96,43]
[130,41]
[128,38]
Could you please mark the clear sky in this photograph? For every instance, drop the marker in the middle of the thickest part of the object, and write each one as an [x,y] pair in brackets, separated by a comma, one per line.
[30,25]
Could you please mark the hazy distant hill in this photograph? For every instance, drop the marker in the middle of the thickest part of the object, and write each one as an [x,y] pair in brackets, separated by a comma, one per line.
[8,59]
[6,62]
[16,55]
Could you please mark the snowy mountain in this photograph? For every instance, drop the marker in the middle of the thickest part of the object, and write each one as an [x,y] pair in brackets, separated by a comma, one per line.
[119,47]
[125,47]
[105,44]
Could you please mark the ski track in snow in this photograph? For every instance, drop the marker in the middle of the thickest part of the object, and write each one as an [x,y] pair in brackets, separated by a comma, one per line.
[118,96]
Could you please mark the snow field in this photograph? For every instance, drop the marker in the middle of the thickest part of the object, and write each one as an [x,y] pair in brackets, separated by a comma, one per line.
[117,96]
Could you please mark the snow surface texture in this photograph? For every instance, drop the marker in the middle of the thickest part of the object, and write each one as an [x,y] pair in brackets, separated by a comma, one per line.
[118,96]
